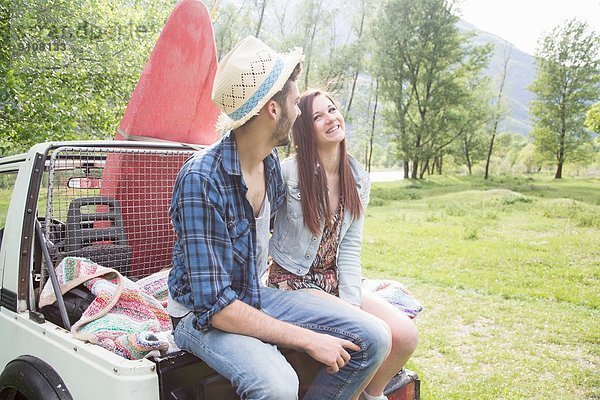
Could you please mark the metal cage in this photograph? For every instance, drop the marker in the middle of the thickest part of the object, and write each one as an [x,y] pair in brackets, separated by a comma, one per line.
[111,205]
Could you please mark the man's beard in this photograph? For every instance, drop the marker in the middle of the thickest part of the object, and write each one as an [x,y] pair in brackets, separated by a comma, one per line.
[281,136]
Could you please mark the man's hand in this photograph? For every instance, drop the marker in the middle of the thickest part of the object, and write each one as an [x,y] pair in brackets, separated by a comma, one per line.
[330,351]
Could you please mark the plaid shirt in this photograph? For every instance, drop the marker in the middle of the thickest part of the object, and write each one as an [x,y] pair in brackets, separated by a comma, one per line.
[214,254]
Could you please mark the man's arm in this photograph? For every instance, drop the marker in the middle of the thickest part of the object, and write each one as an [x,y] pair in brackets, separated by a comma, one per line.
[240,318]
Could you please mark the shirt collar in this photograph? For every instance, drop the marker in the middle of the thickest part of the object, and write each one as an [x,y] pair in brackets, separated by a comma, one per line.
[231,159]
[270,160]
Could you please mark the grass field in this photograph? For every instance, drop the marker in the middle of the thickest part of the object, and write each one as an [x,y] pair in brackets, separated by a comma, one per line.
[509,274]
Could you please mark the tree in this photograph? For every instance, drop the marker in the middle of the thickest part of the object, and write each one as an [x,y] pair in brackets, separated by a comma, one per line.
[592,118]
[70,67]
[359,57]
[357,88]
[312,16]
[370,142]
[530,159]
[567,82]
[232,22]
[423,64]
[5,92]
[260,8]
[470,148]
[498,110]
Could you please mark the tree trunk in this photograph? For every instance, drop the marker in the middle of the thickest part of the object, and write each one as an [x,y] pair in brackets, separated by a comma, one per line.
[308,49]
[434,166]
[497,116]
[415,168]
[439,164]
[372,123]
[352,92]
[423,169]
[489,156]
[360,32]
[370,154]
[561,155]
[416,161]
[559,168]
[406,169]
[468,159]
[307,70]
[260,19]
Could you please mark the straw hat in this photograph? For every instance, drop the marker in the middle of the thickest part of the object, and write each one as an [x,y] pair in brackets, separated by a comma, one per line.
[247,77]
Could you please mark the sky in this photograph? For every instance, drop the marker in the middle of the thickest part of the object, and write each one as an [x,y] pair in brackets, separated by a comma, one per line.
[522,22]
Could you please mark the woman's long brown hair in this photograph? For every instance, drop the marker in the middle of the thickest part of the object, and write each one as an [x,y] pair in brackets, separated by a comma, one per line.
[312,180]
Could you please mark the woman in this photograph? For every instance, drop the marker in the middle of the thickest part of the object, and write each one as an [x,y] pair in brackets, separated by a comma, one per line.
[317,236]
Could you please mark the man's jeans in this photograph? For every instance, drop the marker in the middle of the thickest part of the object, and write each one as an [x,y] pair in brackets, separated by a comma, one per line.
[259,371]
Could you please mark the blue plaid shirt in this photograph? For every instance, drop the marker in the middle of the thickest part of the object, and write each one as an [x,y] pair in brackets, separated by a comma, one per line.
[214,254]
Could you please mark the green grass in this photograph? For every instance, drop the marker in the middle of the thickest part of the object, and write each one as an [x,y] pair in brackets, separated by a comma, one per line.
[4,202]
[509,274]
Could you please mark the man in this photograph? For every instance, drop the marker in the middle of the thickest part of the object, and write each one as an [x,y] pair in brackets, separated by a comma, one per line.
[221,206]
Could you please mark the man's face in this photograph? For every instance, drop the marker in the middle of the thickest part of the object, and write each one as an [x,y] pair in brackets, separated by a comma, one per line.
[290,112]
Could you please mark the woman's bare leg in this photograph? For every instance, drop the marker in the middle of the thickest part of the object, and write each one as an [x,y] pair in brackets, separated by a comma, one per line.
[404,340]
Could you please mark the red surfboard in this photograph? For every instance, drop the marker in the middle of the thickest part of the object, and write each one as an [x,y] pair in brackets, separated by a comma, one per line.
[172,102]
[172,99]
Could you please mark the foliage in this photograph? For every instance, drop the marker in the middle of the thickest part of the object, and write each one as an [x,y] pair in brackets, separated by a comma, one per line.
[530,158]
[470,146]
[567,82]
[424,65]
[431,116]
[308,24]
[231,24]
[592,118]
[71,66]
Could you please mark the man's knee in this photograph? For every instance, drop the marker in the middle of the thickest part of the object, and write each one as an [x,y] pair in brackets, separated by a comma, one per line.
[378,339]
[271,384]
[285,389]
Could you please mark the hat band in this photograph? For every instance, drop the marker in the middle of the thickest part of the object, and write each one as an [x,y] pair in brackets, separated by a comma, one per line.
[262,90]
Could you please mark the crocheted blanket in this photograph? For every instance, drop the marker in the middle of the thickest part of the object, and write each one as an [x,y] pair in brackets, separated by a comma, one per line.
[126,317]
[395,293]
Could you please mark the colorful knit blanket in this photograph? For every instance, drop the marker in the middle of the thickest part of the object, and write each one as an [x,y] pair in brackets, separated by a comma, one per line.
[395,293]
[126,317]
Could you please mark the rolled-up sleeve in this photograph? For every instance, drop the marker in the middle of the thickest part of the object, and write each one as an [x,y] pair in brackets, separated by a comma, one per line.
[205,248]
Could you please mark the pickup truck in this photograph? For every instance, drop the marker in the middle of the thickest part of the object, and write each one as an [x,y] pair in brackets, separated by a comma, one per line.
[106,201]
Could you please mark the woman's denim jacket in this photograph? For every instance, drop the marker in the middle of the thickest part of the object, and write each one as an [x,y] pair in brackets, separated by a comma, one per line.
[294,247]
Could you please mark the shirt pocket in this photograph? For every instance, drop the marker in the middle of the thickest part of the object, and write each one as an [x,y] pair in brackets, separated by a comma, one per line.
[294,205]
[239,234]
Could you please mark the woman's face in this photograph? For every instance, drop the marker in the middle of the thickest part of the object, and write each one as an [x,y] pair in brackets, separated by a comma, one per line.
[328,122]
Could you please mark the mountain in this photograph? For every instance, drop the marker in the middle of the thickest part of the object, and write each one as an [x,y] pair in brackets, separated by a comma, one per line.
[521,73]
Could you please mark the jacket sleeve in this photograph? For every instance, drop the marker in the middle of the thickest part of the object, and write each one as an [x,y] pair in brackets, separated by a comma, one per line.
[349,253]
[279,211]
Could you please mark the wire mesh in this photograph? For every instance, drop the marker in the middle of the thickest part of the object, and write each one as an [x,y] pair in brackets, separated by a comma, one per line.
[111,205]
